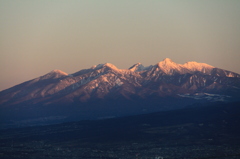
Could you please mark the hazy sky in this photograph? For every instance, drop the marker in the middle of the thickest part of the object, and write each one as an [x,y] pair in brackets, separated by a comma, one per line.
[37,36]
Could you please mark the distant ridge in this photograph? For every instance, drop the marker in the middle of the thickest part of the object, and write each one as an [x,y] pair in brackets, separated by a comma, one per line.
[104,90]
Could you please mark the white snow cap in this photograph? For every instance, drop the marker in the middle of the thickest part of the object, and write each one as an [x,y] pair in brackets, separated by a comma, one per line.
[99,66]
[56,71]
[138,67]
[110,66]
[167,62]
[53,74]
[168,66]
[194,66]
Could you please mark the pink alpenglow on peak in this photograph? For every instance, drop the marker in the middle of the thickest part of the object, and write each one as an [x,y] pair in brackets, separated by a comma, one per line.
[59,72]
[170,67]
[167,60]
[110,66]
[54,74]
[136,67]
[202,67]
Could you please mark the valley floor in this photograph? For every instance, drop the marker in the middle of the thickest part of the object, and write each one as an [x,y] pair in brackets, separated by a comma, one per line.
[193,133]
[45,150]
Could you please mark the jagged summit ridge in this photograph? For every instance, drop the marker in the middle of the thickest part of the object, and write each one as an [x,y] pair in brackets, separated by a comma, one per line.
[167,66]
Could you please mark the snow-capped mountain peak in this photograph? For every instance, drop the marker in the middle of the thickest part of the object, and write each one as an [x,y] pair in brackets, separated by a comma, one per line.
[170,67]
[167,60]
[195,66]
[54,74]
[97,66]
[167,63]
[109,65]
[56,71]
[136,67]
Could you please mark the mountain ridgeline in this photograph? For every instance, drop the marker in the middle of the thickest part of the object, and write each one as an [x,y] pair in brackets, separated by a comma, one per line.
[104,91]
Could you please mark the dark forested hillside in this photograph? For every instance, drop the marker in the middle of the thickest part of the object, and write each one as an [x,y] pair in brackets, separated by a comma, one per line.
[211,131]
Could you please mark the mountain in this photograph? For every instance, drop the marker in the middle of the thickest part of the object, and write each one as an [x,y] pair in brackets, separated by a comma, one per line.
[104,91]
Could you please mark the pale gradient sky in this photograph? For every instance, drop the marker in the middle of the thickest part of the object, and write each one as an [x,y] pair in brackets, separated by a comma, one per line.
[37,36]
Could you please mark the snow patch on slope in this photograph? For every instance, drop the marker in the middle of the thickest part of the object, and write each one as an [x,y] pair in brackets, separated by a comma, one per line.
[206,96]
